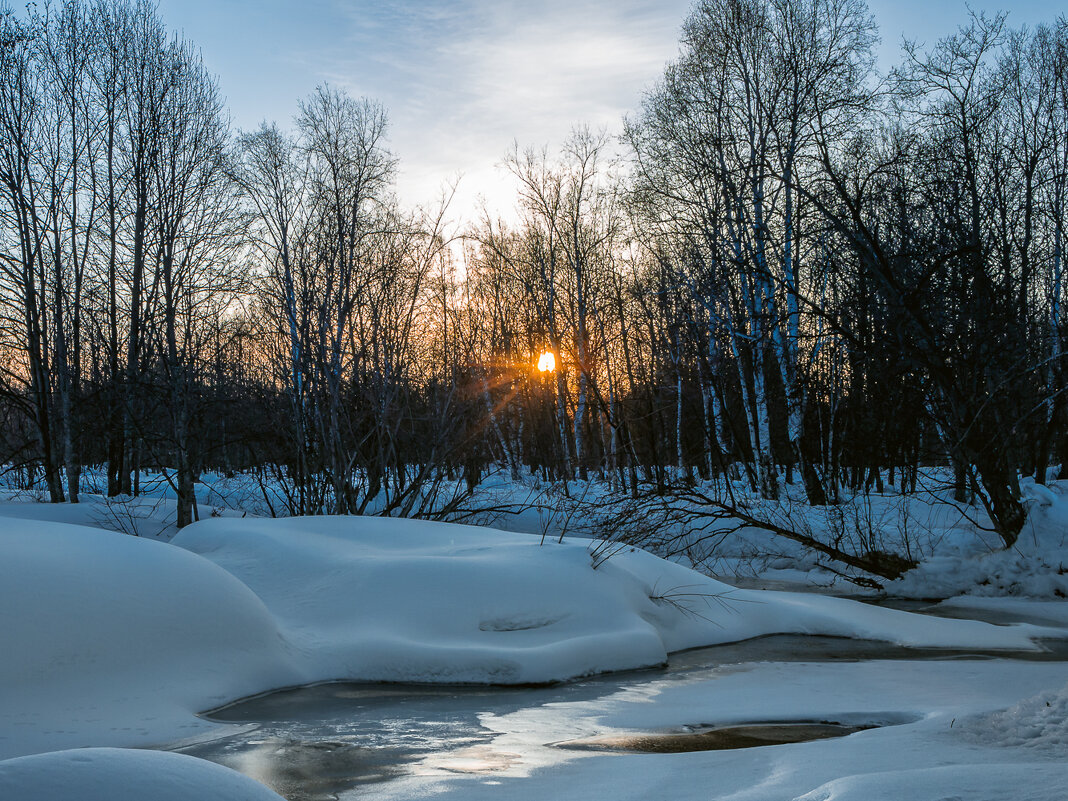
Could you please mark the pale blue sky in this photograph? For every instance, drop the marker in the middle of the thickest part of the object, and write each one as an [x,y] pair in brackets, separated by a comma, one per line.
[462,80]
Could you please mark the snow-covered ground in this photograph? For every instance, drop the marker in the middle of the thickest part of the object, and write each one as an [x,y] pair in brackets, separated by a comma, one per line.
[110,774]
[957,552]
[118,640]
[112,640]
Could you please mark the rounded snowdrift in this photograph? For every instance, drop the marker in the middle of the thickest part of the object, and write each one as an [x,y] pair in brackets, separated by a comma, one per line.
[110,638]
[1023,782]
[383,599]
[114,640]
[107,774]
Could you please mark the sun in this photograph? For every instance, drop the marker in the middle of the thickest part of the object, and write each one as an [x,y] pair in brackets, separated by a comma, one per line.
[547,362]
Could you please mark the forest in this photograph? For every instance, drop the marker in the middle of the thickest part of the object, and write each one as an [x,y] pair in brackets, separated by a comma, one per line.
[794,279]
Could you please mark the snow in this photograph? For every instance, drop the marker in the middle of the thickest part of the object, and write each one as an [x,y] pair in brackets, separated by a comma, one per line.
[958,552]
[954,543]
[382,599]
[1039,723]
[113,640]
[118,640]
[145,516]
[154,633]
[108,774]
[1036,566]
[949,783]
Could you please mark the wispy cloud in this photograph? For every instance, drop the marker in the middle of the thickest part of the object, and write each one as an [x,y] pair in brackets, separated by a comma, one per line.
[462,81]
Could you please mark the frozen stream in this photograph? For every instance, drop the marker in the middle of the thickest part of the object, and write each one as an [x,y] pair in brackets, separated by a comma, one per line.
[358,740]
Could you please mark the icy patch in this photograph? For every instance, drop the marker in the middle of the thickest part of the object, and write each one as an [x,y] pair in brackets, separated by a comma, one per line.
[724,738]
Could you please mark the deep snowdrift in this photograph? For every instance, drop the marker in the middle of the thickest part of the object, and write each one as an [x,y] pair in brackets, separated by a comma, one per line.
[111,774]
[406,600]
[111,639]
[114,640]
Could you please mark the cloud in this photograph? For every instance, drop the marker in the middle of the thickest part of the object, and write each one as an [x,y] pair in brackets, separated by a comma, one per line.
[462,81]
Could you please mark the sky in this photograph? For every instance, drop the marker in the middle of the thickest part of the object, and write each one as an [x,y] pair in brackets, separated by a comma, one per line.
[463,82]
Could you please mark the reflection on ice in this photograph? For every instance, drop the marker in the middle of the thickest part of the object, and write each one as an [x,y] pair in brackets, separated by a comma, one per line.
[477,759]
[309,771]
[345,740]
[725,738]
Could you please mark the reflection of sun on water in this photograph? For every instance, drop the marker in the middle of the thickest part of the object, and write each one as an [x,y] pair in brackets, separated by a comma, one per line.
[476,759]
[547,362]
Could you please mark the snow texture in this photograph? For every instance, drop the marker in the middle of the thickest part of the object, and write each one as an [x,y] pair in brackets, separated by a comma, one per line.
[117,640]
[1039,723]
[114,774]
[405,600]
[1035,567]
[918,751]
[949,783]
[114,640]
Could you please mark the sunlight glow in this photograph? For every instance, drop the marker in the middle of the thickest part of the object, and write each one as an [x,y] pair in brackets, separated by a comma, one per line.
[547,362]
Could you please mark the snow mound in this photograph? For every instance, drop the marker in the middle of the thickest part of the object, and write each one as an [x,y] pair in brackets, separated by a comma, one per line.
[115,639]
[1035,567]
[1027,782]
[120,641]
[107,774]
[1039,723]
[383,599]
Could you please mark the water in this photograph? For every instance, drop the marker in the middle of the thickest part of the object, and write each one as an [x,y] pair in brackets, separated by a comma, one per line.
[720,738]
[317,743]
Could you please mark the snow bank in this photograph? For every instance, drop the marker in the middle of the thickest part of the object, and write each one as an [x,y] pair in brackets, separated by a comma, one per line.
[116,640]
[1035,567]
[407,600]
[151,514]
[1025,782]
[119,640]
[381,599]
[1039,723]
[107,774]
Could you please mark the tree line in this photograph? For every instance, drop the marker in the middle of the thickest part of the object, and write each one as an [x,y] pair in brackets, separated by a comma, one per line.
[791,270]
